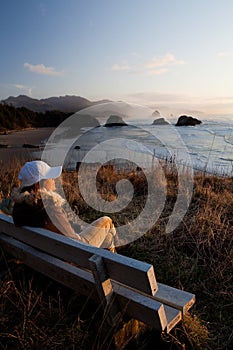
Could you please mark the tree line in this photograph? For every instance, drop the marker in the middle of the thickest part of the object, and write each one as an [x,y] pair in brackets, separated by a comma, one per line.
[12,118]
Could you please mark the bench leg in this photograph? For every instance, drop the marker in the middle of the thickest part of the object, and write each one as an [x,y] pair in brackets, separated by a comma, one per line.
[105,290]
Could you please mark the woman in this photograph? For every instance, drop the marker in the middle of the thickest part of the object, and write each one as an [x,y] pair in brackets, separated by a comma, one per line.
[37,204]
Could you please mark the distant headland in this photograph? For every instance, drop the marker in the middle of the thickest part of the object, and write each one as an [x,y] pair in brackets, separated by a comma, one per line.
[66,104]
[25,112]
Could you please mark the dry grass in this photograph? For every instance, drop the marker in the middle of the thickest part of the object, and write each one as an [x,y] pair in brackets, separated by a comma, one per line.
[196,257]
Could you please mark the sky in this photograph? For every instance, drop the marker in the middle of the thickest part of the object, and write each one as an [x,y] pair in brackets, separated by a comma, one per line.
[175,56]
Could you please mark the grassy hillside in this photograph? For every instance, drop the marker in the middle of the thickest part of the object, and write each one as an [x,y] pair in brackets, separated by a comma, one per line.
[197,256]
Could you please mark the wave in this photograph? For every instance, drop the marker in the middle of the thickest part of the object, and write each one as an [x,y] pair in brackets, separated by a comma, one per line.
[206,146]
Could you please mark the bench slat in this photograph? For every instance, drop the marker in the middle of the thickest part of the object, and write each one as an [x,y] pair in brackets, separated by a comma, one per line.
[168,315]
[174,297]
[136,305]
[50,266]
[140,306]
[130,271]
[173,315]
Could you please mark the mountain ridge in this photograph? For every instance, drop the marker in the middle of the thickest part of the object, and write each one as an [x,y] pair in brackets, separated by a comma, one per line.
[67,103]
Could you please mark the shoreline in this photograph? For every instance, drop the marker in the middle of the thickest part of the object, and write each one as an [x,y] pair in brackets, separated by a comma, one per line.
[13,150]
[31,135]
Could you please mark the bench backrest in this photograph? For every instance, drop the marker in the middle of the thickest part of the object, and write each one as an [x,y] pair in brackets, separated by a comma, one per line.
[128,271]
[96,272]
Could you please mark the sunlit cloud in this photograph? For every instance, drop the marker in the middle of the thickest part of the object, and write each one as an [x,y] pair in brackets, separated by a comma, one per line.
[42,69]
[162,61]
[156,66]
[159,65]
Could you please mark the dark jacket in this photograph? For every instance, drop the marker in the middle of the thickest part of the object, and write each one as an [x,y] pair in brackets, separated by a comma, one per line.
[30,210]
[29,215]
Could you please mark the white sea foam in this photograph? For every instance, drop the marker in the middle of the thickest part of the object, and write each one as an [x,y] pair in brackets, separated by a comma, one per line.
[208,146]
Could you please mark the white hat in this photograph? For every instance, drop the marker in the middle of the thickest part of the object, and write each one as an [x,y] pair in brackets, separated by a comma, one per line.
[33,172]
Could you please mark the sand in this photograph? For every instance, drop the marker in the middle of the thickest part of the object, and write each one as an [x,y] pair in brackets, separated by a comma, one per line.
[15,140]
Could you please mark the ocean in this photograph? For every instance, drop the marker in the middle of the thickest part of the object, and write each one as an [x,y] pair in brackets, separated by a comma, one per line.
[206,147]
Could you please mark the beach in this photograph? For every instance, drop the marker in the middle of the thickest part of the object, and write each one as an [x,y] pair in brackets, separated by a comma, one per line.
[15,140]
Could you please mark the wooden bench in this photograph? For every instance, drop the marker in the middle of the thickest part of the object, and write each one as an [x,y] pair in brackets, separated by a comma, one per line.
[123,285]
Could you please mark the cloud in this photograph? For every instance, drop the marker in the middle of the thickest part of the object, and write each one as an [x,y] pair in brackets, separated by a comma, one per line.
[156,66]
[42,69]
[163,61]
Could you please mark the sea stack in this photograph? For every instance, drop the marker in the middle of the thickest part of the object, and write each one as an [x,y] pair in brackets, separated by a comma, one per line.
[185,120]
[115,120]
[160,121]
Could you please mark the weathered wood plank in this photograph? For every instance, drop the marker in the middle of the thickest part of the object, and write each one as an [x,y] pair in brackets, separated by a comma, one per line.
[132,272]
[62,272]
[136,305]
[168,315]
[174,297]
[173,315]
[105,289]
[141,306]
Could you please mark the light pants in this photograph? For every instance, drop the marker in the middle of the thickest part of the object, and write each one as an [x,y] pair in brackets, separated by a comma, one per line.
[100,233]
